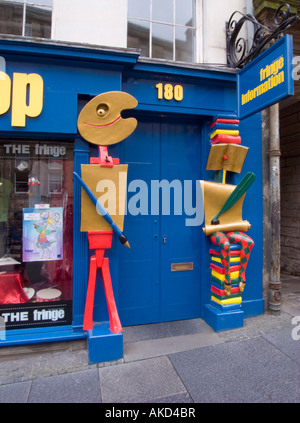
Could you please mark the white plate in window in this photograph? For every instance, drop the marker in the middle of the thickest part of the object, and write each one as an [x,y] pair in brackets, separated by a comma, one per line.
[29,292]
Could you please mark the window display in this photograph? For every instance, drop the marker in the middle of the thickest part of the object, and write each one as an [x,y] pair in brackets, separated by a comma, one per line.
[36,227]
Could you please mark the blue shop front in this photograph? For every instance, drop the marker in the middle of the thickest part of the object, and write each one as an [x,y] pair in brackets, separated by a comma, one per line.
[170,271]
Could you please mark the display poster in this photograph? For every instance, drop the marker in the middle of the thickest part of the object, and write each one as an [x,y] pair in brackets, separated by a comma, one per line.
[42,234]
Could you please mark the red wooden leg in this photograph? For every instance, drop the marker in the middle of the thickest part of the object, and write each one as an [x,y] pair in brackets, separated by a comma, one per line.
[115,324]
[89,304]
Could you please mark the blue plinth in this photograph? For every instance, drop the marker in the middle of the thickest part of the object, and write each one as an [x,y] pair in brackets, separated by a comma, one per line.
[103,344]
[253,307]
[220,320]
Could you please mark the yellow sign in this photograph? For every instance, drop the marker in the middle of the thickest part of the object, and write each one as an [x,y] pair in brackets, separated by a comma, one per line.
[168,92]
[272,78]
[27,96]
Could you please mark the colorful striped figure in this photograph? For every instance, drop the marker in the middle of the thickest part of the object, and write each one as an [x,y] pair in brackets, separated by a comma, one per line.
[233,247]
[223,240]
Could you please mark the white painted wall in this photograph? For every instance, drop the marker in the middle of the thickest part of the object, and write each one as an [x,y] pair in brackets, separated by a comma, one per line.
[101,22]
[214,15]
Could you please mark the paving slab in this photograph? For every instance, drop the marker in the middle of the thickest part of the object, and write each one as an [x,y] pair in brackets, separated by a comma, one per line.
[15,392]
[257,326]
[239,372]
[157,347]
[80,387]
[284,341]
[141,381]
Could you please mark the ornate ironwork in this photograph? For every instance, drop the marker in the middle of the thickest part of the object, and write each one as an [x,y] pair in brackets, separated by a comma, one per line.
[239,53]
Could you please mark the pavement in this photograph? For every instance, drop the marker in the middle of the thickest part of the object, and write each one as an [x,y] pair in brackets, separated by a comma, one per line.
[176,362]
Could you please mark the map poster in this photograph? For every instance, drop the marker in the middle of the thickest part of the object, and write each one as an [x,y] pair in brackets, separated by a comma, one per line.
[43,234]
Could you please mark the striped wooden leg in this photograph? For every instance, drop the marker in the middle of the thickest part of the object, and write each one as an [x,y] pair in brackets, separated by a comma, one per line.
[246,244]
[220,239]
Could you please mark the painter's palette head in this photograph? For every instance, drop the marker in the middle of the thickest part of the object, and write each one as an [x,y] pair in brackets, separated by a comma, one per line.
[100,121]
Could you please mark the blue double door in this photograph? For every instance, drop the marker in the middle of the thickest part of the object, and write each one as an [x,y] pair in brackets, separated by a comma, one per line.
[159,276]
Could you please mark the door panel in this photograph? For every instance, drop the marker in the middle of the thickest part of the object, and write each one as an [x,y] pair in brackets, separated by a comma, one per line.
[138,268]
[148,291]
[180,290]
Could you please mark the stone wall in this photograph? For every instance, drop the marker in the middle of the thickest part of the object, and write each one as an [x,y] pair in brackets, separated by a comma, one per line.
[290,188]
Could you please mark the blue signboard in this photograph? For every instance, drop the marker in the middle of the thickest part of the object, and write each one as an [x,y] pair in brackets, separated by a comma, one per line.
[267,79]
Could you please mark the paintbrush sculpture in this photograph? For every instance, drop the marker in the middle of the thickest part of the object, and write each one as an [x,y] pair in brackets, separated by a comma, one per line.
[100,122]
[236,194]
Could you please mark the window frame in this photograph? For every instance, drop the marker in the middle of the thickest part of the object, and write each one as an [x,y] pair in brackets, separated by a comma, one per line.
[40,4]
[151,21]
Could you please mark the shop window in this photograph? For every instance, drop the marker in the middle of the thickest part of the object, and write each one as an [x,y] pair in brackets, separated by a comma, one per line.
[36,226]
[55,179]
[21,175]
[163,29]
[30,18]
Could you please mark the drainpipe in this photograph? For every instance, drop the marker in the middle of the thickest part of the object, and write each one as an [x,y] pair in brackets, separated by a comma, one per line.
[274,295]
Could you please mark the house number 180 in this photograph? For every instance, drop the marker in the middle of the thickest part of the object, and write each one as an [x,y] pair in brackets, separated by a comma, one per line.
[168,92]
